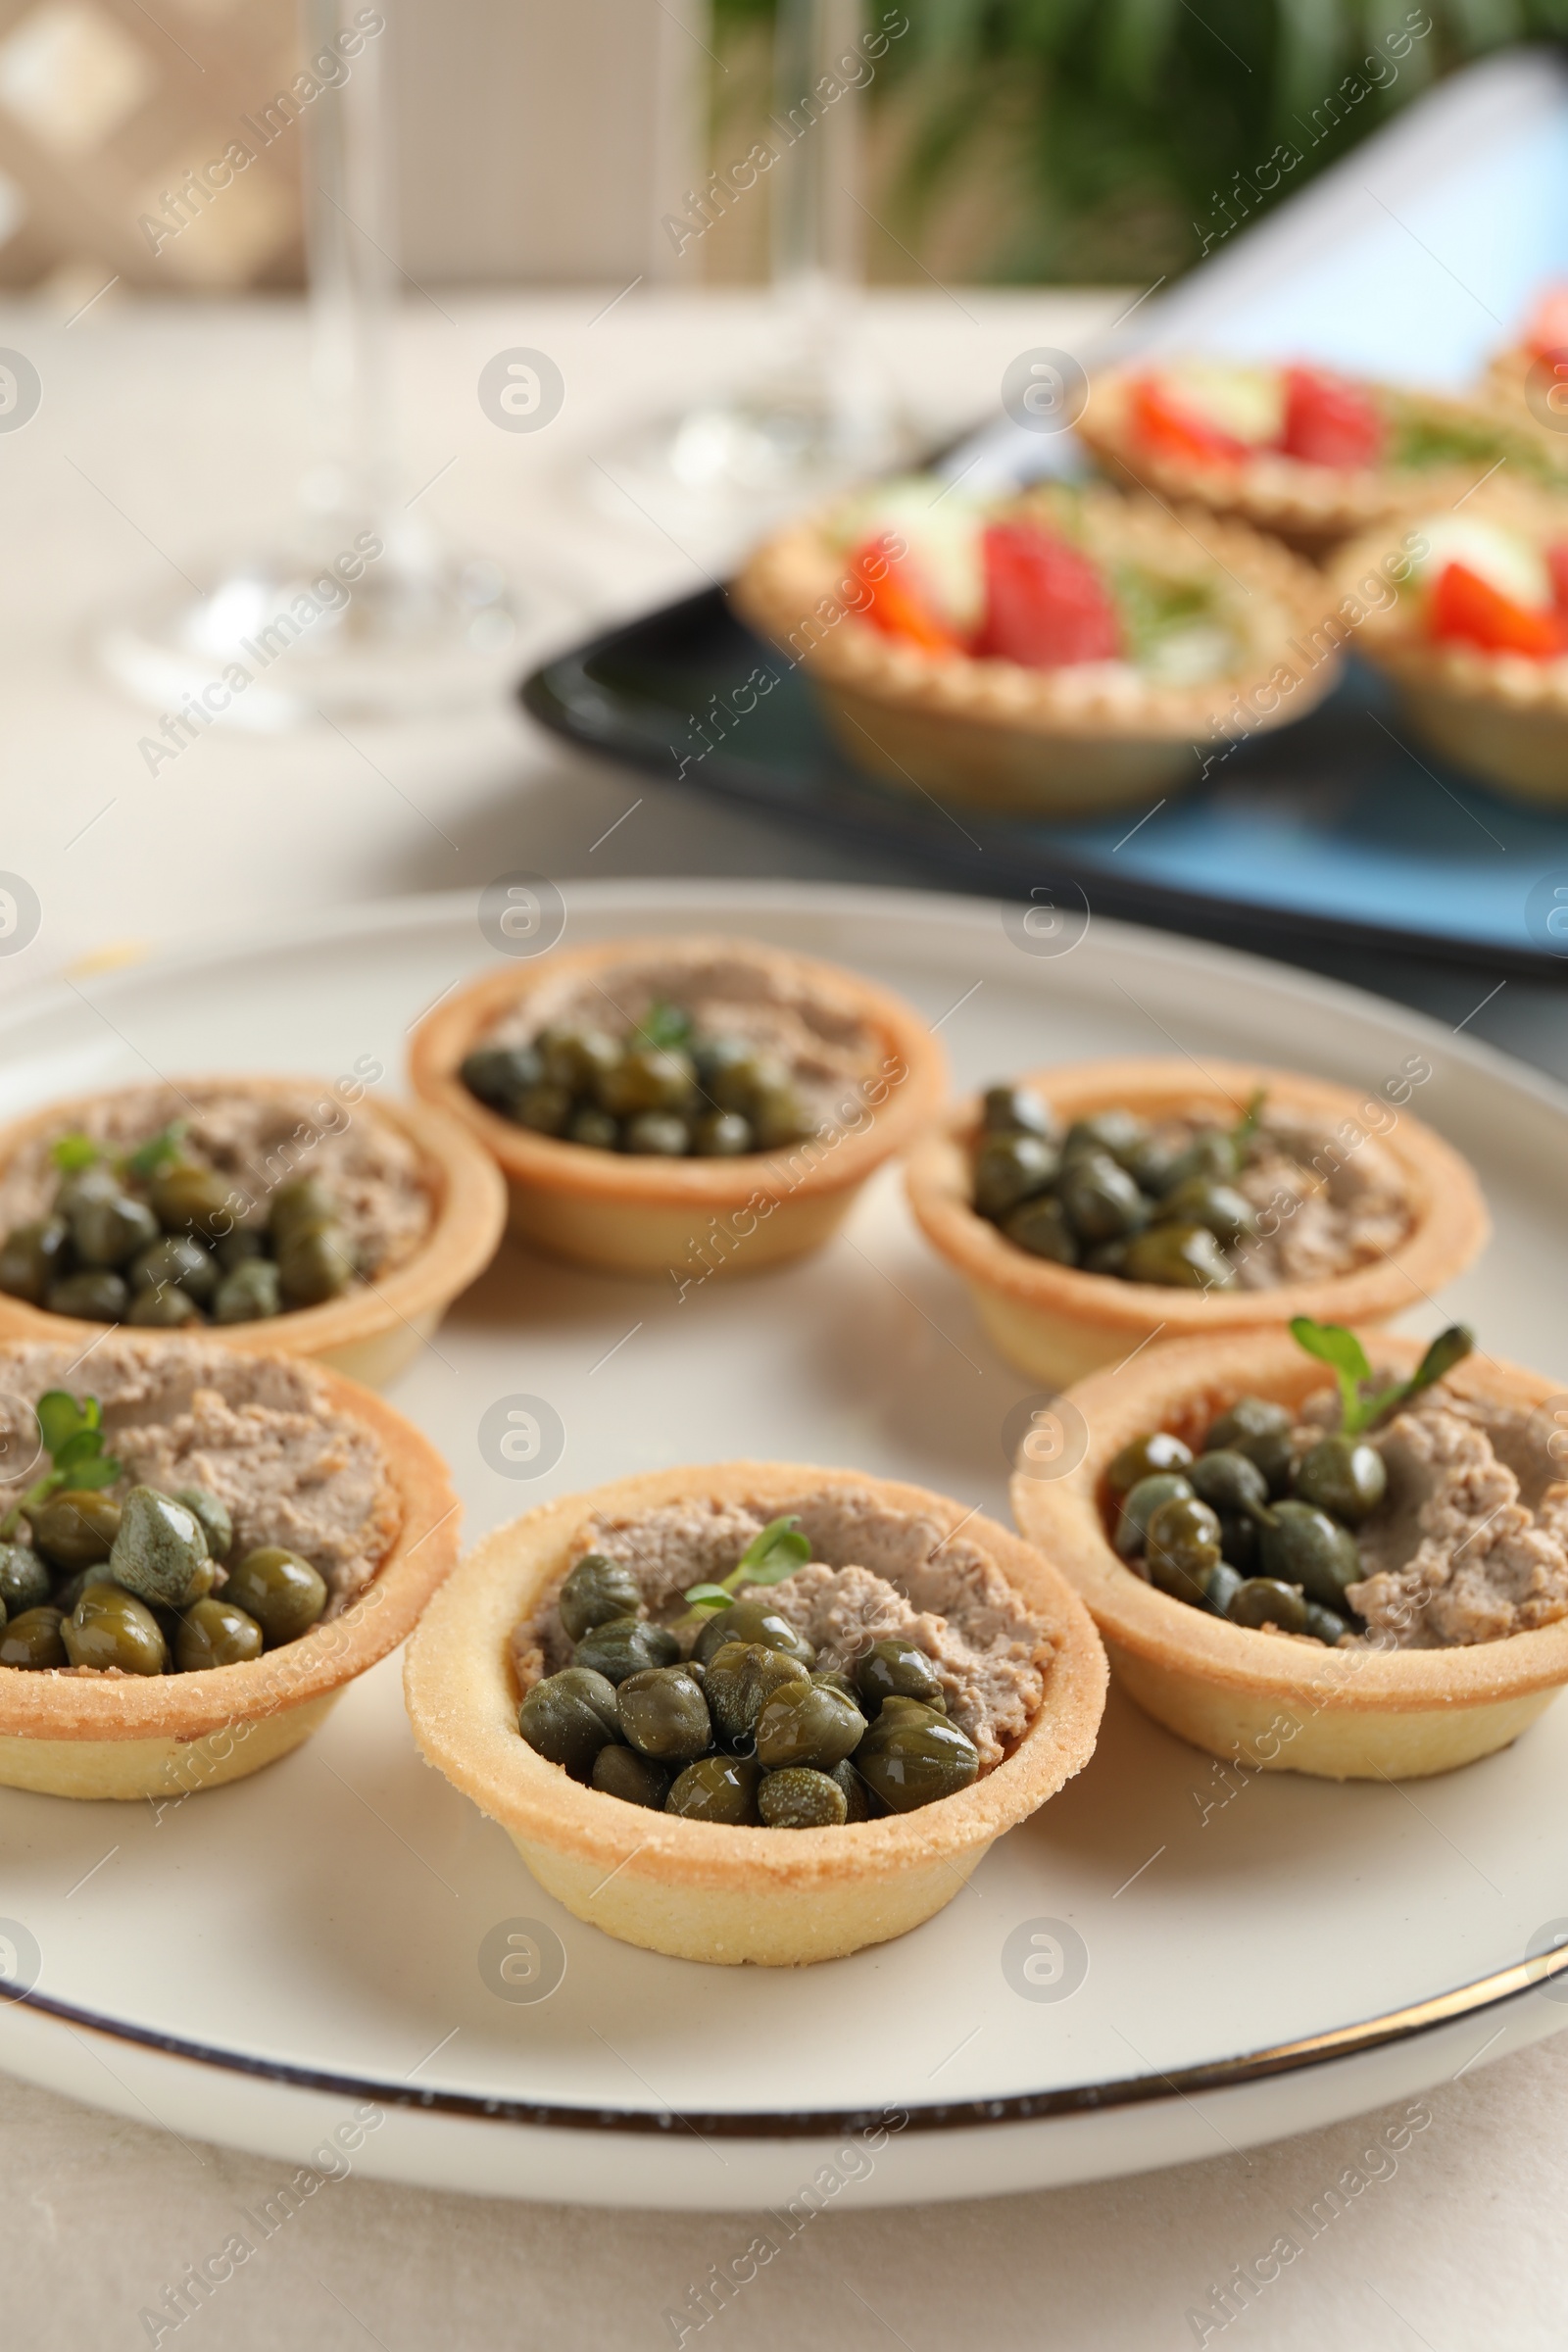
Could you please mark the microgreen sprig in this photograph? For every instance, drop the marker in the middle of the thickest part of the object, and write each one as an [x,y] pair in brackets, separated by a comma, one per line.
[768,1558]
[73,1439]
[1246,1125]
[663,1029]
[157,1151]
[1346,1357]
[72,1154]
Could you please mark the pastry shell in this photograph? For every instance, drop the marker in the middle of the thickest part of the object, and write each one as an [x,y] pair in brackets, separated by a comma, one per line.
[376,1328]
[1267,1700]
[169,1736]
[682,1219]
[1044,742]
[1058,1324]
[699,1890]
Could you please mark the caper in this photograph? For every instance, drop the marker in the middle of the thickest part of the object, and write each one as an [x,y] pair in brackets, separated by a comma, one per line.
[1223,1584]
[663,1713]
[722,1135]
[741,1676]
[754,1621]
[1229,1482]
[1239,1540]
[910,1756]
[569,1717]
[1179,1257]
[1342,1475]
[657,1135]
[30,1257]
[98,1181]
[594,1127]
[1213,1152]
[1101,1201]
[1205,1201]
[1009,1169]
[111,1627]
[1141,1458]
[624,1645]
[297,1205]
[241,1248]
[1149,1162]
[314,1264]
[96,1295]
[1041,1226]
[1017,1110]
[499,1074]
[832,1679]
[156,1549]
[105,1233]
[806,1722]
[283,1593]
[163,1311]
[720,1789]
[858,1797]
[24,1580]
[636,1780]
[252,1294]
[1325,1625]
[175,1260]
[1302,1545]
[76,1527]
[213,1633]
[897,1668]
[648,1079]
[544,1108]
[597,1590]
[1113,1131]
[1140,1505]
[1262,1600]
[799,1798]
[32,1640]
[734,1072]
[1248,1417]
[576,1057]
[1183,1546]
[1106,1257]
[187,1198]
[66,1596]
[211,1516]
[779,1116]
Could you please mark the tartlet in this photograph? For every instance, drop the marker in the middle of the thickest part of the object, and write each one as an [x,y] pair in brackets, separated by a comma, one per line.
[1220,435]
[1180,621]
[167,1736]
[697,1890]
[1058,1323]
[1258,1697]
[374,1327]
[686,1219]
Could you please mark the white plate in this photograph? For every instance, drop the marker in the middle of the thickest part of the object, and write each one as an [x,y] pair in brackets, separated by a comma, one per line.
[256,1963]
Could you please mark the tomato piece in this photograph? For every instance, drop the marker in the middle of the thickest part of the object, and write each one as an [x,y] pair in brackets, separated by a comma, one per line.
[1548,332]
[1046,605]
[895,602]
[1329,422]
[1170,428]
[1557,567]
[1465,606]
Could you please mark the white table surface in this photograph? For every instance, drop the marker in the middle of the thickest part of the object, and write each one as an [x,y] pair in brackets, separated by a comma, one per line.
[168,438]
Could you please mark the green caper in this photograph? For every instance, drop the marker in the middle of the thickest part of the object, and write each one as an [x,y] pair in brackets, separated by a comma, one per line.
[910,1756]
[1181,1548]
[1223,1585]
[720,1789]
[24,1580]
[241,1248]
[576,1056]
[657,1135]
[76,1527]
[96,1296]
[858,1797]
[1248,1417]
[544,1108]
[1179,1257]
[163,1311]
[213,1633]
[65,1597]
[1101,1202]
[156,1549]
[314,1264]
[722,1135]
[298,1205]
[111,1627]
[1041,1226]
[754,1621]
[594,1127]
[105,1233]
[1213,1152]
[283,1592]
[1149,1162]
[833,1679]
[1205,1201]
[1262,1600]
[1229,1482]
[1302,1545]
[597,1590]
[32,1640]
[175,1260]
[648,1079]
[734,1072]
[1142,1457]
[797,1798]
[31,1259]
[499,1074]
[1342,1475]
[636,1780]
[252,1294]
[1239,1540]
[1140,1505]
[1325,1625]
[741,1676]
[1009,1169]
[897,1668]
[187,1198]
[1017,1110]
[569,1717]
[1106,1257]
[624,1645]
[663,1713]
[779,1116]
[211,1516]
[806,1722]
[1113,1131]
[97,1181]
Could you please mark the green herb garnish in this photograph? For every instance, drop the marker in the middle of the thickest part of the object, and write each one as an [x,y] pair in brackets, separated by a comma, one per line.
[1346,1357]
[1246,1125]
[772,1555]
[73,1439]
[71,1152]
[663,1029]
[157,1151]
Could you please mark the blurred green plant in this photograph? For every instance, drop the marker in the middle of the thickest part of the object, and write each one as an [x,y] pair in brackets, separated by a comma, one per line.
[1124,138]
